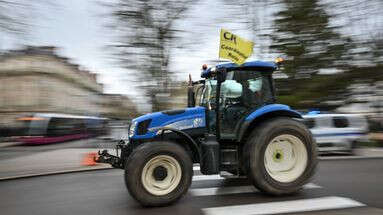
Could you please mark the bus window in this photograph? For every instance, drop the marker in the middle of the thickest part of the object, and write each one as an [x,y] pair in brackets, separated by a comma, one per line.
[65,126]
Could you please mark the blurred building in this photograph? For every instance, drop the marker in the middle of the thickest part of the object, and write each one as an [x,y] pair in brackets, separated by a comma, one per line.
[176,98]
[37,79]
[118,106]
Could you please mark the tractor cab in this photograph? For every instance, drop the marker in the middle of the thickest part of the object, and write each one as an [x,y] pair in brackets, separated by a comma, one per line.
[230,93]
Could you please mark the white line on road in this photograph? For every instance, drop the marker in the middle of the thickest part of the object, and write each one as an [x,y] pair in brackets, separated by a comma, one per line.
[207,177]
[295,206]
[234,190]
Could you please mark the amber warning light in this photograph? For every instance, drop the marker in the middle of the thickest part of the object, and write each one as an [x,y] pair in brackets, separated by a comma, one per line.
[279,60]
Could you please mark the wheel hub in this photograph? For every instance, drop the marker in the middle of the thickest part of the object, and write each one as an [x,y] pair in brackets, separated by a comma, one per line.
[278,155]
[160,173]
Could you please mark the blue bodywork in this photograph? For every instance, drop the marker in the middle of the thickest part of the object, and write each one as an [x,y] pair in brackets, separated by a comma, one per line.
[195,118]
[189,119]
[268,109]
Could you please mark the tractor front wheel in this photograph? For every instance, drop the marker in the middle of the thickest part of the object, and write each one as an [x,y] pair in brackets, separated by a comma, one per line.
[158,174]
[281,157]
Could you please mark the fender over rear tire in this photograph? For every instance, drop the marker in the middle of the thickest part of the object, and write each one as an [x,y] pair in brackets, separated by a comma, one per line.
[281,156]
[158,173]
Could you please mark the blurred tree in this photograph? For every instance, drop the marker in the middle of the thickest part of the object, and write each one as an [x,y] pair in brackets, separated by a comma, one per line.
[364,21]
[146,29]
[11,19]
[18,16]
[375,38]
[254,16]
[377,47]
[312,47]
[304,35]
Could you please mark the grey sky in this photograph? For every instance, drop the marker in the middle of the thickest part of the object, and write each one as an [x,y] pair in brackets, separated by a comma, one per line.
[78,28]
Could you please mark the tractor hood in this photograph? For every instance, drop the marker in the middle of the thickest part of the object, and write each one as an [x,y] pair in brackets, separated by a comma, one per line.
[146,126]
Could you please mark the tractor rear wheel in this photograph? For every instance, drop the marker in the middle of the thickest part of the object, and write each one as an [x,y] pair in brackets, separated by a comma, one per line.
[158,174]
[282,156]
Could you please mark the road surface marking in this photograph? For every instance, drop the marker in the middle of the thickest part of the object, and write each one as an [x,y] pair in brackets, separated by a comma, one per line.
[234,190]
[295,206]
[207,177]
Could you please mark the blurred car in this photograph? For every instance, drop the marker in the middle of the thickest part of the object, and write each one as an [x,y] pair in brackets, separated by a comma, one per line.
[337,132]
[45,128]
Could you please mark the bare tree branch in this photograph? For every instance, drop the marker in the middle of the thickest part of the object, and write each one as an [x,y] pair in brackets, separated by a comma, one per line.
[146,39]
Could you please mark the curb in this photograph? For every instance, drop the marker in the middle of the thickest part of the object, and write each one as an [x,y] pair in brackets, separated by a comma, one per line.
[54,173]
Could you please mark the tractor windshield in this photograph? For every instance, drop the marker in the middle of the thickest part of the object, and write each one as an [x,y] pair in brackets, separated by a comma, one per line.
[250,88]
[208,93]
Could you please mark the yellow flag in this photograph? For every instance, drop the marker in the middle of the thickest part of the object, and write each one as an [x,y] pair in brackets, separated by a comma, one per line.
[234,48]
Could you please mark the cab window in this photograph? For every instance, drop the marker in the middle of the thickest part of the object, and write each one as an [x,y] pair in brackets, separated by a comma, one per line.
[242,92]
[340,122]
[309,122]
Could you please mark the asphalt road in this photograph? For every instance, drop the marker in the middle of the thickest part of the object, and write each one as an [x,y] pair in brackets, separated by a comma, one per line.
[353,184]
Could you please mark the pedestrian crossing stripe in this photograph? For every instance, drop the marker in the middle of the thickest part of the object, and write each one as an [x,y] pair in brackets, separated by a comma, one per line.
[207,177]
[234,190]
[196,168]
[293,206]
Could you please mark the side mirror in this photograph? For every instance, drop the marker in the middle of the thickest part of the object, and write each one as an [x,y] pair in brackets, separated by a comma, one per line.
[191,96]
[221,75]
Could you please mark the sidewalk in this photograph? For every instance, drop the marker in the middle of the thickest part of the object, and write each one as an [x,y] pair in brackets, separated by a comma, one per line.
[50,162]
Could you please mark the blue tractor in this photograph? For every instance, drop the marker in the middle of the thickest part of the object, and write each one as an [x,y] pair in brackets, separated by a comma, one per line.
[232,126]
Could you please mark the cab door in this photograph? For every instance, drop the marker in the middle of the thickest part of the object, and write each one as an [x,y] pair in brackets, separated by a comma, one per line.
[241,93]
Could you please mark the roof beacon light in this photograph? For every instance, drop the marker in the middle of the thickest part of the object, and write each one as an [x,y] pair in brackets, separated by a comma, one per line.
[279,60]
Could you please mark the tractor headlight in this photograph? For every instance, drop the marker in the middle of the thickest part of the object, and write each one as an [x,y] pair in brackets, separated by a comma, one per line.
[132,129]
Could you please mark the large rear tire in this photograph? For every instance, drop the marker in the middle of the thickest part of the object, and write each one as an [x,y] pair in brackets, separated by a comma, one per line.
[158,174]
[281,156]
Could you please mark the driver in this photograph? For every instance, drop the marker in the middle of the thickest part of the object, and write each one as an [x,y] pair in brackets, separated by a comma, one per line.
[251,88]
